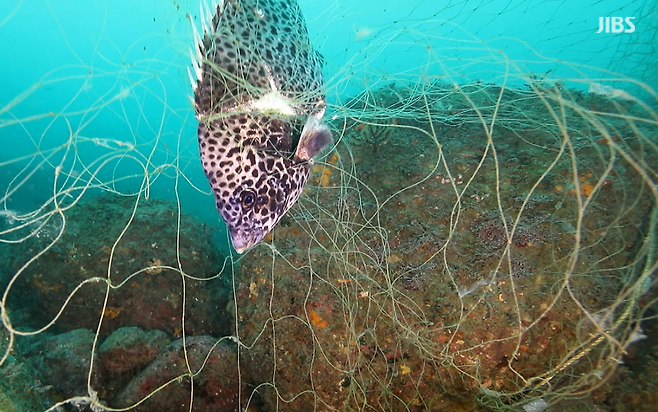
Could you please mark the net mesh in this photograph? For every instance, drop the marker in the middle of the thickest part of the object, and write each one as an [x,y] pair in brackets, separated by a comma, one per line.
[481,236]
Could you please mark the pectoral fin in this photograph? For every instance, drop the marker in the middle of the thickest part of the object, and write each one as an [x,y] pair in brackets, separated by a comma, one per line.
[315,137]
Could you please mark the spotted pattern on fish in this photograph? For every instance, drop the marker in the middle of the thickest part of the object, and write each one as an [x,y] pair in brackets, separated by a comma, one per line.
[259,101]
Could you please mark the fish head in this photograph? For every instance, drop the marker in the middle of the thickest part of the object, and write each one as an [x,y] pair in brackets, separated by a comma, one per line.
[257,203]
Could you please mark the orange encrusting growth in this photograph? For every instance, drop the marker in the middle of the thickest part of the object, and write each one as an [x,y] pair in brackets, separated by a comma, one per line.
[586,189]
[112,312]
[324,179]
[317,321]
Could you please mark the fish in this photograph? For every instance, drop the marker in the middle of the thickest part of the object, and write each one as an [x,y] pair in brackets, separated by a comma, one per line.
[260,102]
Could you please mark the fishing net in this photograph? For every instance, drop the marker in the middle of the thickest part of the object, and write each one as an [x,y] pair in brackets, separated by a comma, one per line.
[481,235]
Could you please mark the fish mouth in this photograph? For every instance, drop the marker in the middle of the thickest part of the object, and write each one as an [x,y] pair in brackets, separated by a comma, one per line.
[242,241]
[242,249]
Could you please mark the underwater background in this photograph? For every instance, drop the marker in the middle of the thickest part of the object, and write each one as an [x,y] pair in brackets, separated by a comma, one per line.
[481,236]
[131,58]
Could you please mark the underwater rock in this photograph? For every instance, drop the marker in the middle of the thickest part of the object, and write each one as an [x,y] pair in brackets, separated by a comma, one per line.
[216,382]
[129,348]
[20,390]
[142,263]
[334,342]
[63,361]
[441,286]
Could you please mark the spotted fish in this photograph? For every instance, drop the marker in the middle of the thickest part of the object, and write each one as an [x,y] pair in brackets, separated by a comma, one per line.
[258,96]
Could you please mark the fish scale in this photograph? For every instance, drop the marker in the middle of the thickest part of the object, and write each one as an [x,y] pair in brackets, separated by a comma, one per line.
[258,90]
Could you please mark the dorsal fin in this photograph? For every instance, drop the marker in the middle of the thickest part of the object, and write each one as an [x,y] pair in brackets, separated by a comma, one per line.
[251,48]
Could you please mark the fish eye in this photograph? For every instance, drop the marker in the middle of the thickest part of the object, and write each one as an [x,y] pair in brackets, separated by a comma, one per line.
[247,198]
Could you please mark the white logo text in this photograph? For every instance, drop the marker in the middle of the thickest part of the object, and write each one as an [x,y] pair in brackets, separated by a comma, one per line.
[616,25]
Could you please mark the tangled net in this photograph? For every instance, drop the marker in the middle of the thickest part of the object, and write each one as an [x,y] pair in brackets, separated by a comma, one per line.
[480,237]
